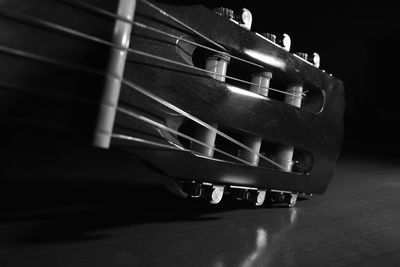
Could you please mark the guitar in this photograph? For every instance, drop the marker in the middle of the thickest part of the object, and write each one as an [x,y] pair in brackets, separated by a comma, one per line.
[192,94]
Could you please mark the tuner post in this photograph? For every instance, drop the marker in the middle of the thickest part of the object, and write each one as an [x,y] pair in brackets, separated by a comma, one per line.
[254,143]
[294,96]
[260,83]
[217,66]
[206,136]
[285,152]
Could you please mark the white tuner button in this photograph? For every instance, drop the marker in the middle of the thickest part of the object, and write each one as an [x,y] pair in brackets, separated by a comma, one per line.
[246,19]
[285,41]
[316,59]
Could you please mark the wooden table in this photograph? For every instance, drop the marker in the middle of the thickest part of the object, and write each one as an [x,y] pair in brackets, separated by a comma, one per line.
[356,223]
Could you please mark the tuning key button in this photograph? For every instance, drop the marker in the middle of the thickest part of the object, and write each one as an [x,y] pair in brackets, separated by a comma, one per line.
[260,197]
[285,41]
[316,59]
[216,193]
[292,200]
[245,18]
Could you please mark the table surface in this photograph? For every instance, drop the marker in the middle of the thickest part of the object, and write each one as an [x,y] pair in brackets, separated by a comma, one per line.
[355,223]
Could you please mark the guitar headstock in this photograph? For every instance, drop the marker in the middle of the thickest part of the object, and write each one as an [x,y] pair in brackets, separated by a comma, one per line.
[197,95]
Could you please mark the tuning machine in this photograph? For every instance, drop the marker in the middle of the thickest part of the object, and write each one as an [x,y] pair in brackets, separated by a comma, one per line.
[243,17]
[283,40]
[313,59]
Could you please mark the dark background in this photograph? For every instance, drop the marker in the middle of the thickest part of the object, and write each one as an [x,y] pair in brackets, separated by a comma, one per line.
[358,43]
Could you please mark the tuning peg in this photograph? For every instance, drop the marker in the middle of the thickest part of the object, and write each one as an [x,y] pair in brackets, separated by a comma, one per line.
[285,41]
[316,59]
[215,193]
[244,17]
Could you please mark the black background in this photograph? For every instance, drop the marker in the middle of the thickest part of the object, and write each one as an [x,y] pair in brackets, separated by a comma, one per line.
[358,43]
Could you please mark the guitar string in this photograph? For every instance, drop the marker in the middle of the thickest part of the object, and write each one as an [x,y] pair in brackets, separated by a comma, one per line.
[65,30]
[108,14]
[197,120]
[163,127]
[164,13]
[129,84]
[131,114]
[145,141]
[301,96]
[208,72]
[52,95]
[127,112]
[201,35]
[180,38]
